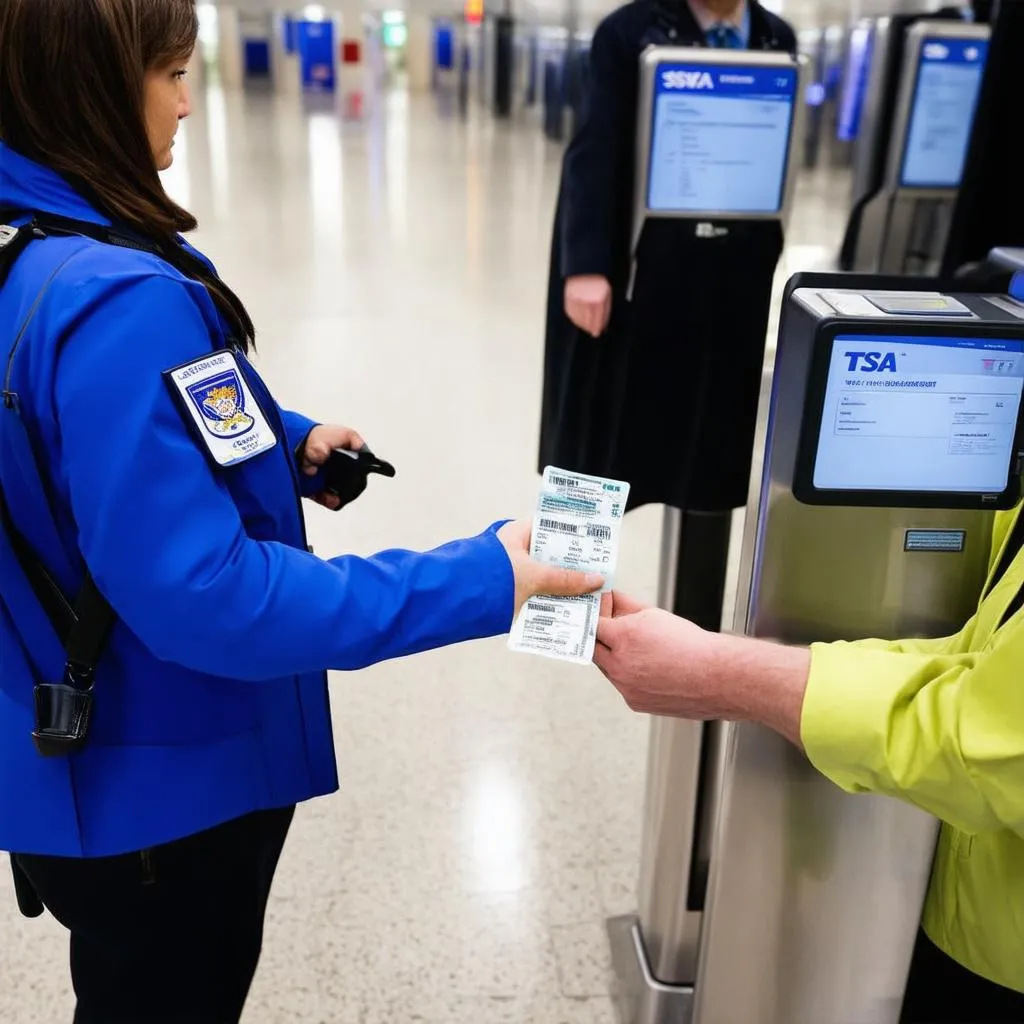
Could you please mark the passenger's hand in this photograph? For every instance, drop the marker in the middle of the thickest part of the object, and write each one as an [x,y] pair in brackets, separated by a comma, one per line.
[322,440]
[664,665]
[533,578]
[655,659]
[588,302]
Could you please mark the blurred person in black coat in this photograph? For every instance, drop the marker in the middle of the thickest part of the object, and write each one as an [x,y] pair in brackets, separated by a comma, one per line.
[660,389]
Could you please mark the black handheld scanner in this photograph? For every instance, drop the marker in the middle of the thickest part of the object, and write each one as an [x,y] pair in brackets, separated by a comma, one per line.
[346,472]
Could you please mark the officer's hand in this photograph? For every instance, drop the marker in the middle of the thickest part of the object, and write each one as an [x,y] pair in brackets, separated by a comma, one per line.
[533,578]
[588,302]
[322,440]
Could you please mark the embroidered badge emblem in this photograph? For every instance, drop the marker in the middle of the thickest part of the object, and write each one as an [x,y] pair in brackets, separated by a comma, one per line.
[216,396]
[222,403]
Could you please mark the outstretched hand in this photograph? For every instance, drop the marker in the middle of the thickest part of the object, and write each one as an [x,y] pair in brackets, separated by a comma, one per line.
[534,578]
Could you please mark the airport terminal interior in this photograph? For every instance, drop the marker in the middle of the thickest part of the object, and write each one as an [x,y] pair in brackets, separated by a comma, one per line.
[390,233]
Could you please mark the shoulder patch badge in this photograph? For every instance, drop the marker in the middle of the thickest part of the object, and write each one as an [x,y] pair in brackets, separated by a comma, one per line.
[214,394]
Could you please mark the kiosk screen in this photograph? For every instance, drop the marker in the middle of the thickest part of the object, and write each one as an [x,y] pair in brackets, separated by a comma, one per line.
[946,92]
[919,414]
[720,138]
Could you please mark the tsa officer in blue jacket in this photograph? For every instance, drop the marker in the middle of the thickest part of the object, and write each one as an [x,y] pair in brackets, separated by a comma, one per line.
[139,449]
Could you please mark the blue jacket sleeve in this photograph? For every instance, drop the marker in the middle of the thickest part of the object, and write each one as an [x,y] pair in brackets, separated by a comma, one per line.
[297,428]
[166,545]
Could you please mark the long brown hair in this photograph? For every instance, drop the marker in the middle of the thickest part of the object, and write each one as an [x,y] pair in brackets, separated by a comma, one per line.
[72,76]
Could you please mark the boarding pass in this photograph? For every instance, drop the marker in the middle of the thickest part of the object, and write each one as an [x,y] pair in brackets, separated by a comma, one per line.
[576,526]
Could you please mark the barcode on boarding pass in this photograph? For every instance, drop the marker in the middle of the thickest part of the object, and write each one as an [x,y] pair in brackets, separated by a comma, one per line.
[600,532]
[557,526]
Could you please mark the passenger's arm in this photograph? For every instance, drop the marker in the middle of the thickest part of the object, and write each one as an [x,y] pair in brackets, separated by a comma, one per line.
[591,189]
[165,543]
[942,731]
[939,730]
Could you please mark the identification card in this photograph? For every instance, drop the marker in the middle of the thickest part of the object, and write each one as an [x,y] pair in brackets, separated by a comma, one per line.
[214,394]
[576,526]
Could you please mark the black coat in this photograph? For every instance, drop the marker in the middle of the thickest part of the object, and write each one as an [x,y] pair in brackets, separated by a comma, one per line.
[667,397]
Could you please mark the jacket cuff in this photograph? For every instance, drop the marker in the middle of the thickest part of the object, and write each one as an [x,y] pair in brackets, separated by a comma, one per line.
[490,585]
[848,705]
[585,255]
[298,428]
[503,588]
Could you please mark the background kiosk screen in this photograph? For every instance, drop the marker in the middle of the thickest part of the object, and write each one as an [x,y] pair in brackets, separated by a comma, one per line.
[919,414]
[855,84]
[720,138]
[946,92]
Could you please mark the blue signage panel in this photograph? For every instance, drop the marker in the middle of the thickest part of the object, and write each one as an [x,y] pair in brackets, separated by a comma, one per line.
[855,83]
[316,55]
[920,414]
[289,33]
[720,138]
[948,82]
[444,47]
[257,58]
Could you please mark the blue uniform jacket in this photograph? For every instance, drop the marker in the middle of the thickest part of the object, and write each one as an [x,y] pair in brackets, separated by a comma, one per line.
[211,699]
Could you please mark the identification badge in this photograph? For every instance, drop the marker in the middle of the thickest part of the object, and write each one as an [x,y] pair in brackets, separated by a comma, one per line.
[576,526]
[214,394]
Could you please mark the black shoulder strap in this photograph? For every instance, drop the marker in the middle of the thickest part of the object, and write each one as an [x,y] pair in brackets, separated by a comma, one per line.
[49,595]
[82,627]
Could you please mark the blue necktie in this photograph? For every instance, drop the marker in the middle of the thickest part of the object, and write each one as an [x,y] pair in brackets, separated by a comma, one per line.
[724,37]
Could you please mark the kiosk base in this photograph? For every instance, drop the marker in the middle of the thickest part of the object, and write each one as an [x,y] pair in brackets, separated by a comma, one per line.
[640,998]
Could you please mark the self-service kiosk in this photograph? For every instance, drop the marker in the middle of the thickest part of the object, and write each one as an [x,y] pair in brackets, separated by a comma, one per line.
[904,223]
[717,134]
[892,433]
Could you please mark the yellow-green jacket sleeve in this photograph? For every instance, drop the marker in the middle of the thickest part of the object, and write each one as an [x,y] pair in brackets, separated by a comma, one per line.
[940,730]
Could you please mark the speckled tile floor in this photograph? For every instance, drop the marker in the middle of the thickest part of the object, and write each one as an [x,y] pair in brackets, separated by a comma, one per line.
[489,817]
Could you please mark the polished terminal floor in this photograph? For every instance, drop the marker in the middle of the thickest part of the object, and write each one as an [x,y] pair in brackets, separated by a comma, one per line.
[490,811]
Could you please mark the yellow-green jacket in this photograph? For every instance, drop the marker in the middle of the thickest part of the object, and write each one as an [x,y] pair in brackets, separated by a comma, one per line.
[940,724]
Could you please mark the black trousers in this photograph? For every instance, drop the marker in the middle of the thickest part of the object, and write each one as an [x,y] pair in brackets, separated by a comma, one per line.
[940,991]
[169,935]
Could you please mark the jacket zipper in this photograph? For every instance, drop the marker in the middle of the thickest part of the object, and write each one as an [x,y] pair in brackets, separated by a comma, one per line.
[256,383]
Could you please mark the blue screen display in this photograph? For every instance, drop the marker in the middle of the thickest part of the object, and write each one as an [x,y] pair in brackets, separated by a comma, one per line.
[720,138]
[920,414]
[855,83]
[949,78]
